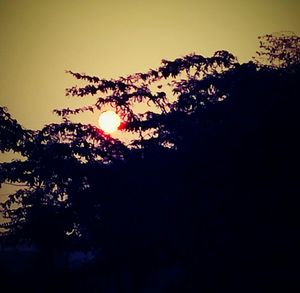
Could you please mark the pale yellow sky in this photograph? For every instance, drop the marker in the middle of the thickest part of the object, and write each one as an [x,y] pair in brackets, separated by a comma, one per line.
[40,39]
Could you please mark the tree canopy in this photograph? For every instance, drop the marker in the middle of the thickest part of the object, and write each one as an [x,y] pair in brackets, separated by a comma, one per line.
[207,183]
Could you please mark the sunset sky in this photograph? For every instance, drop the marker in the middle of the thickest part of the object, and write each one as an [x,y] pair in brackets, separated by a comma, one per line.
[201,216]
[40,39]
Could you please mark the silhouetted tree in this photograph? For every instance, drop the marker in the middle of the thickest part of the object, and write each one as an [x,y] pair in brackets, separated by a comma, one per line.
[278,50]
[206,187]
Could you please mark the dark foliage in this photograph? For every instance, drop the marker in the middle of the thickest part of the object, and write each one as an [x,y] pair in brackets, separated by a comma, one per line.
[279,50]
[204,199]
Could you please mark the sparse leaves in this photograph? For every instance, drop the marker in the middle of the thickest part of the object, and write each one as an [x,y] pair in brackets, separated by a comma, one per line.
[279,50]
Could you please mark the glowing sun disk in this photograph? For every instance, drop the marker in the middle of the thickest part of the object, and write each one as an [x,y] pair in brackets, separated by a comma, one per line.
[109,121]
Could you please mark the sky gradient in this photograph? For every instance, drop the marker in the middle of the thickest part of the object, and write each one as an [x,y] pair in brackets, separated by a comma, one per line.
[39,40]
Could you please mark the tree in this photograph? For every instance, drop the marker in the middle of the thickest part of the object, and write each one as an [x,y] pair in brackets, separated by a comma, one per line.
[279,50]
[62,197]
[190,190]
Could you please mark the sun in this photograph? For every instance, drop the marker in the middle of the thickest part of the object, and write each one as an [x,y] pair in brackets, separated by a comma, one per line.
[109,121]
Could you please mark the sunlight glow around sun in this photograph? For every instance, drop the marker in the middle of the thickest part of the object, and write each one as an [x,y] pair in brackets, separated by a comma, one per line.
[109,121]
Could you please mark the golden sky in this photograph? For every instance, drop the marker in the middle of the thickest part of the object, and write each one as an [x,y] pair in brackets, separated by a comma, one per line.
[40,39]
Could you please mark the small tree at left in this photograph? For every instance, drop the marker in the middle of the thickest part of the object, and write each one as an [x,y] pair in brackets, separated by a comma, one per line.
[54,208]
